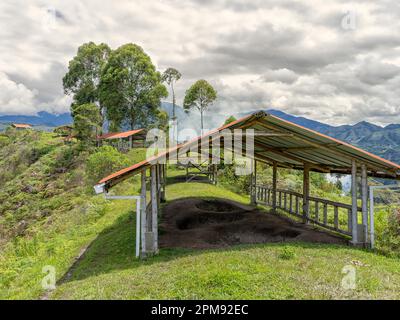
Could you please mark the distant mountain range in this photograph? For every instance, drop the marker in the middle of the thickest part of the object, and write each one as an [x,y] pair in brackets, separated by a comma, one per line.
[383,141]
[43,120]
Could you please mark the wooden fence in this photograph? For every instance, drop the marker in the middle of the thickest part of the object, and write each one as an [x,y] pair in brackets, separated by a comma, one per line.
[335,216]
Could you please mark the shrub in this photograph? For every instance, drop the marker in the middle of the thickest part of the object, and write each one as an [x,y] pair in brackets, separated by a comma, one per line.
[287,253]
[104,162]
[237,183]
[387,225]
[4,140]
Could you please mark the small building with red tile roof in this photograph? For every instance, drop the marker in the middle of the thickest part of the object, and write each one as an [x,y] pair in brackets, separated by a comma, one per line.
[125,139]
[21,126]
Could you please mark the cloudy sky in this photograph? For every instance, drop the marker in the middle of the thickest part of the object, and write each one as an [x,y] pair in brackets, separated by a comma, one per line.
[333,61]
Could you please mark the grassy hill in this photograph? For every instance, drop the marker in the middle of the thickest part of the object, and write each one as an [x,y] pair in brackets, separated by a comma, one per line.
[49,217]
[267,271]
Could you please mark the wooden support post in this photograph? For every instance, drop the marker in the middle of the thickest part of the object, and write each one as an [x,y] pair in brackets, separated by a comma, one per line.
[354,220]
[364,198]
[154,206]
[274,180]
[143,204]
[130,142]
[253,180]
[306,192]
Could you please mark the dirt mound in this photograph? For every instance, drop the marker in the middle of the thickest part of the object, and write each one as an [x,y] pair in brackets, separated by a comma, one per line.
[200,223]
[216,206]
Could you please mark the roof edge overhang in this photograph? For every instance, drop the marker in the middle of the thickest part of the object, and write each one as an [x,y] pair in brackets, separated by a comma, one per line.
[382,168]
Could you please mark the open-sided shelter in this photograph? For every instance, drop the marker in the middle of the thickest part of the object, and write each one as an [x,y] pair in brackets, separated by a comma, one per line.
[281,144]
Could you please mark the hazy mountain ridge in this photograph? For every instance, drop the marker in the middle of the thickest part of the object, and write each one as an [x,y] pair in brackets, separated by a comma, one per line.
[383,141]
[43,120]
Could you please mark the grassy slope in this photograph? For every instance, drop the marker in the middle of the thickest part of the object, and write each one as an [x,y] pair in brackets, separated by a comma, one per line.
[110,271]
[58,212]
[62,217]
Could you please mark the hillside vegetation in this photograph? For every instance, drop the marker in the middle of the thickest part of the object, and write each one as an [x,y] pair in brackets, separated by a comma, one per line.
[47,211]
[49,217]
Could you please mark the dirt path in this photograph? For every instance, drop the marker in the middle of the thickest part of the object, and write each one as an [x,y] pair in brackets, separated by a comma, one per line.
[198,223]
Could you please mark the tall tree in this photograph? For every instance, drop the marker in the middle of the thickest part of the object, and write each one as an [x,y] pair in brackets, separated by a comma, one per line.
[84,72]
[200,96]
[87,120]
[171,76]
[131,89]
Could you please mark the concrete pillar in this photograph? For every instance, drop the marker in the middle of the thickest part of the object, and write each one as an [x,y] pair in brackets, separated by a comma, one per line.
[354,220]
[154,206]
[144,226]
[163,181]
[364,198]
[253,182]
[306,192]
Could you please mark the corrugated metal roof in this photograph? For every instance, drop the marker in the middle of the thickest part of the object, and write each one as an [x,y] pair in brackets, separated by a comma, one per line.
[120,135]
[291,146]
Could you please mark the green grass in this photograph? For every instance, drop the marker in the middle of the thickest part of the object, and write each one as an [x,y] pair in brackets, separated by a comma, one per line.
[59,214]
[204,190]
[269,271]
[63,217]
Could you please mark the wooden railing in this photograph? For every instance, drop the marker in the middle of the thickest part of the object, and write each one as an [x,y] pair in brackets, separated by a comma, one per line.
[335,216]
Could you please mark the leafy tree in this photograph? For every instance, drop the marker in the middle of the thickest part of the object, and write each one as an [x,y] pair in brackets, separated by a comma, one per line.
[229,120]
[338,183]
[162,120]
[83,76]
[200,96]
[131,88]
[171,76]
[87,121]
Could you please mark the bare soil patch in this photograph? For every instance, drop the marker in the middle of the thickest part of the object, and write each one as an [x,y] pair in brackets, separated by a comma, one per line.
[201,223]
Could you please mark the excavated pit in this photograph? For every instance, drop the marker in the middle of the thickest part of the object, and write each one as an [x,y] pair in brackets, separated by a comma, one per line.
[204,223]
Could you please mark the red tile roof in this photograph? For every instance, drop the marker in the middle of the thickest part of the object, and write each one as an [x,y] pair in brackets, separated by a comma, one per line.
[119,135]
[21,125]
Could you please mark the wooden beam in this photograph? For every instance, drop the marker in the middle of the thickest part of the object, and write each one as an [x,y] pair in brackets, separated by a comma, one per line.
[291,157]
[297,148]
[354,220]
[322,146]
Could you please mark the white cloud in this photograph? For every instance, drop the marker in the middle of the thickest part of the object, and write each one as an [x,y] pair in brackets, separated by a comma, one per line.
[281,75]
[260,54]
[15,98]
